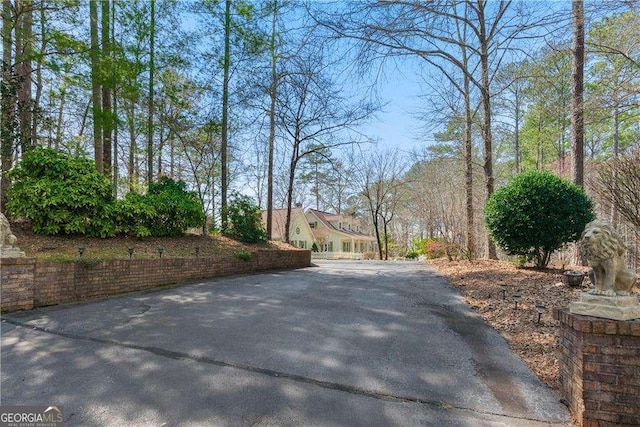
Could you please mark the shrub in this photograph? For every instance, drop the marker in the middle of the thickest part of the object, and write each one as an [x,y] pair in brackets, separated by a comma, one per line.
[64,194]
[244,221]
[175,209]
[61,194]
[411,255]
[134,214]
[435,248]
[535,214]
[314,247]
[243,255]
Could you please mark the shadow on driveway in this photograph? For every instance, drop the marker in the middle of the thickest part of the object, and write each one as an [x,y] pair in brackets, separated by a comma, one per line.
[344,343]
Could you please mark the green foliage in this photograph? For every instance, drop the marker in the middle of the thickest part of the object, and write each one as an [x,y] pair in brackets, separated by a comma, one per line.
[411,255]
[520,261]
[243,255]
[314,247]
[166,210]
[175,208]
[61,194]
[535,214]
[245,221]
[66,195]
[133,215]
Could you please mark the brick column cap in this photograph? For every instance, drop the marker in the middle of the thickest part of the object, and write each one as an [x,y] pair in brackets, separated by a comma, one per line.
[597,325]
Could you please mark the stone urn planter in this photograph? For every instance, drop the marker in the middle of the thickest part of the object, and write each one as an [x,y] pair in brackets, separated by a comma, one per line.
[573,278]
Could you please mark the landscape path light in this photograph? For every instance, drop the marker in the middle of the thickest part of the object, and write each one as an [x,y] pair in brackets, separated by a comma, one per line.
[504,292]
[130,250]
[160,250]
[197,250]
[80,250]
[516,298]
[540,308]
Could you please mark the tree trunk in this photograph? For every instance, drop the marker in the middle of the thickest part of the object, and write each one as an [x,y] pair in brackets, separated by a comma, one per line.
[577,104]
[106,80]
[292,174]
[24,54]
[114,116]
[486,126]
[116,169]
[7,103]
[376,226]
[616,148]
[132,146]
[95,87]
[39,59]
[517,131]
[224,179]
[152,68]
[63,96]
[386,239]
[468,163]
[273,88]
[161,137]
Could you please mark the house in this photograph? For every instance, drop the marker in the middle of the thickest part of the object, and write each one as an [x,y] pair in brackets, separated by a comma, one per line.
[335,235]
[300,234]
[339,235]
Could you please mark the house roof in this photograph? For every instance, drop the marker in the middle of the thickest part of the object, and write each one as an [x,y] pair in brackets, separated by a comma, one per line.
[325,218]
[279,218]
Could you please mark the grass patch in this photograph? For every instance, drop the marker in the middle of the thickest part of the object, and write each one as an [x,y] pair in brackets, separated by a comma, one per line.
[243,255]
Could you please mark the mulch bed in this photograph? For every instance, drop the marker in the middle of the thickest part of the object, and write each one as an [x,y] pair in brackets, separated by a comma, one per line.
[536,343]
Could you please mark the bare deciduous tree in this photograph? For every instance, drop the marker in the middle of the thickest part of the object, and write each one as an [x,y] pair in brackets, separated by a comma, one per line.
[313,111]
[378,177]
[619,184]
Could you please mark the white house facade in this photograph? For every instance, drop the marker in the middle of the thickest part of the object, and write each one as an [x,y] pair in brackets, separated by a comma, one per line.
[336,236]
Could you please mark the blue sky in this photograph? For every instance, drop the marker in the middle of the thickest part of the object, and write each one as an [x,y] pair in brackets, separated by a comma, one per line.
[396,125]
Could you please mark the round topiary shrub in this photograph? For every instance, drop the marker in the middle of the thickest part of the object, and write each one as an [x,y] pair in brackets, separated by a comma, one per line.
[535,214]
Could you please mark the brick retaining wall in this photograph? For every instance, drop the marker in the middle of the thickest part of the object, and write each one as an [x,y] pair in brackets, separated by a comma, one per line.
[26,283]
[600,369]
[16,283]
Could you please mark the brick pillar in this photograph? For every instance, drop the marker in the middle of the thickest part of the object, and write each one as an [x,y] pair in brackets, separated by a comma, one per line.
[600,369]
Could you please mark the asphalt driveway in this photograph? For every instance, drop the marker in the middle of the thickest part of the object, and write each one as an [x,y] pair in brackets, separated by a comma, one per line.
[344,343]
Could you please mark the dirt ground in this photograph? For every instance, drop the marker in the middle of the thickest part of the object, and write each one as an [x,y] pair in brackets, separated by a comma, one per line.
[536,343]
[65,247]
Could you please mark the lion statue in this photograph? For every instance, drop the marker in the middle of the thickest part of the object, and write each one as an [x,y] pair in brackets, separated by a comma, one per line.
[7,239]
[604,249]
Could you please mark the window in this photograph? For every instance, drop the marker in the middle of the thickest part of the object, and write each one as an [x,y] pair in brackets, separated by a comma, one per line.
[313,224]
[346,246]
[303,244]
[330,246]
